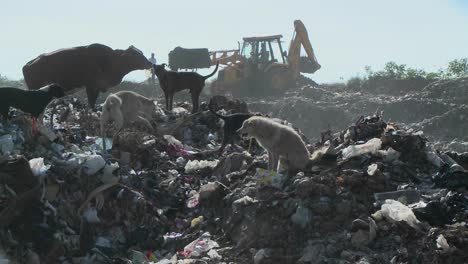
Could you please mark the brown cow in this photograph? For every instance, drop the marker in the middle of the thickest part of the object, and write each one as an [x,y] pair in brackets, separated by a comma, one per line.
[96,67]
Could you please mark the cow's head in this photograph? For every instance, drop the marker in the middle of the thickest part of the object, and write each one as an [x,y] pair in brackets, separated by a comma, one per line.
[136,59]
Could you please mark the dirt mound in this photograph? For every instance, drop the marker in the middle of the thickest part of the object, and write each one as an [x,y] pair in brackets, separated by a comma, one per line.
[454,91]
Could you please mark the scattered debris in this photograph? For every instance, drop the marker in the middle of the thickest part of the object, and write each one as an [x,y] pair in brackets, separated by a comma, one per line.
[171,197]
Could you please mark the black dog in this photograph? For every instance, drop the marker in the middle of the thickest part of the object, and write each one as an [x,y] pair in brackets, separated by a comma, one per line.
[172,82]
[32,102]
[232,123]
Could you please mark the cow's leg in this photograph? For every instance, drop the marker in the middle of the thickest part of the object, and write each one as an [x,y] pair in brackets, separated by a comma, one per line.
[92,92]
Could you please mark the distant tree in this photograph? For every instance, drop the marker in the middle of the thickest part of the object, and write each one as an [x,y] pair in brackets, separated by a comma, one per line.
[4,81]
[457,68]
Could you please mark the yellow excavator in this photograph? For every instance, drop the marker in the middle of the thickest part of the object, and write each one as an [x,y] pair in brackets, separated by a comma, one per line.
[261,66]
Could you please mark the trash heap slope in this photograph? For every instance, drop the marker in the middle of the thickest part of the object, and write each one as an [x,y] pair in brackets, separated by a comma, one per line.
[378,192]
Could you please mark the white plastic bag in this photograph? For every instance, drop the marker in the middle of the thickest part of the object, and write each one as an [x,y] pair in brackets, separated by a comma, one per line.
[93,164]
[442,243]
[194,165]
[6,144]
[199,246]
[370,146]
[108,176]
[397,211]
[37,167]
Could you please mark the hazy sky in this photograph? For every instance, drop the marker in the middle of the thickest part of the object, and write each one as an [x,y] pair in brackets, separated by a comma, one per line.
[346,35]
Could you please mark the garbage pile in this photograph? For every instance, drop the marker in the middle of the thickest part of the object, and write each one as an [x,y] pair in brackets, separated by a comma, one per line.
[439,109]
[377,192]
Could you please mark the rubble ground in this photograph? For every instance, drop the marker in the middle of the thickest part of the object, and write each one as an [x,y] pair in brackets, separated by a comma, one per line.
[379,191]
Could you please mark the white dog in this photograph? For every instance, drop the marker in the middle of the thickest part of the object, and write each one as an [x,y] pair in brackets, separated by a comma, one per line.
[126,107]
[283,144]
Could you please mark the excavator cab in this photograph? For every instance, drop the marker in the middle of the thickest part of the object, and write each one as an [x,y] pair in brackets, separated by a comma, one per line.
[263,50]
[261,66]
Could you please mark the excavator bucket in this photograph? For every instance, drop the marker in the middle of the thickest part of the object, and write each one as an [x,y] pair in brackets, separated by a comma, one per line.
[307,65]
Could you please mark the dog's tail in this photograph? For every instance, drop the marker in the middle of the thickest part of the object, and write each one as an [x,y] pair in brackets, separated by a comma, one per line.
[213,73]
[210,107]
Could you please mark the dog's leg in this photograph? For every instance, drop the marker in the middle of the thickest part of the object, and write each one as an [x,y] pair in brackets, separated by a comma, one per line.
[172,100]
[224,143]
[145,122]
[283,165]
[34,125]
[278,166]
[270,160]
[166,97]
[169,101]
[275,161]
[195,96]
[118,118]
[250,144]
[103,123]
[40,118]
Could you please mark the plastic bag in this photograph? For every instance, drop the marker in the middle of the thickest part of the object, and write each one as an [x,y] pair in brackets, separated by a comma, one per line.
[195,165]
[196,221]
[389,155]
[302,217]
[37,167]
[399,212]
[108,175]
[370,146]
[104,142]
[199,246]
[6,144]
[270,178]
[442,243]
[176,148]
[193,201]
[93,164]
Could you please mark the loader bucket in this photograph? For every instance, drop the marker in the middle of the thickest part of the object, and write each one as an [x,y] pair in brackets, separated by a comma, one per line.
[180,58]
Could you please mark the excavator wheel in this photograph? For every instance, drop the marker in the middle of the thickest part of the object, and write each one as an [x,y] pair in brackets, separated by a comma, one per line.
[279,80]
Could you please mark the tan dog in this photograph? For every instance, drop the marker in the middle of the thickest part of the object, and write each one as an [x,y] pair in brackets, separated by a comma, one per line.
[126,107]
[281,142]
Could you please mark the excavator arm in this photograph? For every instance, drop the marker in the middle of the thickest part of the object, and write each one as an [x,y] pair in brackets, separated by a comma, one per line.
[298,64]
[226,57]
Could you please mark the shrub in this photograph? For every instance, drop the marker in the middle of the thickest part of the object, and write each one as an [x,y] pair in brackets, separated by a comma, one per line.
[398,75]
[457,68]
[11,83]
